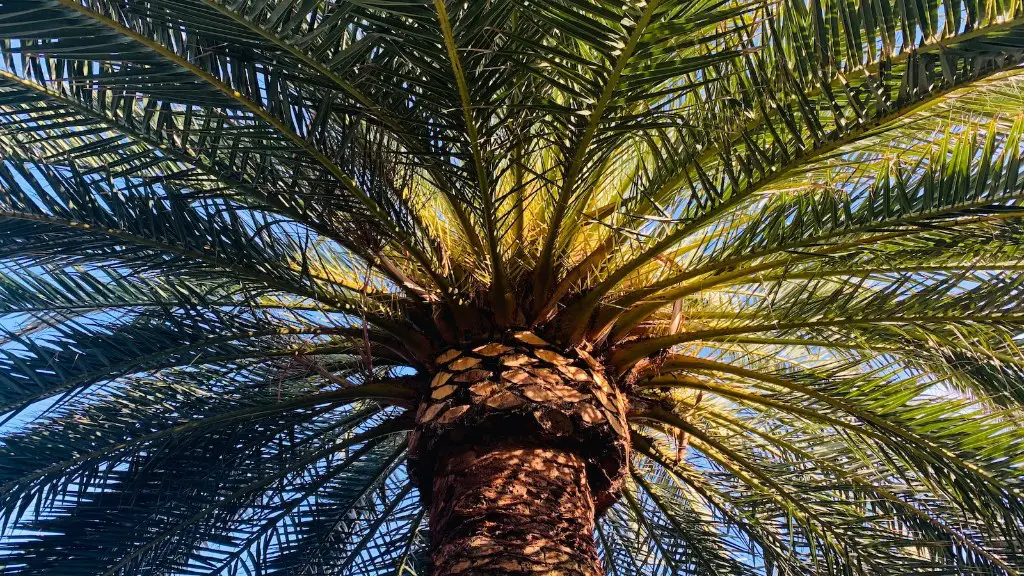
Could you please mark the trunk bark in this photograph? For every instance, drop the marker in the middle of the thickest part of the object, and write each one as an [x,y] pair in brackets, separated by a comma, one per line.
[517,446]
[512,510]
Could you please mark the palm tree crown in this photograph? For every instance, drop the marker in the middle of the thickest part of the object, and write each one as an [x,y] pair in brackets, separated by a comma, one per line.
[235,236]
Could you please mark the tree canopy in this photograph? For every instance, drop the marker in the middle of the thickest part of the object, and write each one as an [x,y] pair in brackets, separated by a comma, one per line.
[234,236]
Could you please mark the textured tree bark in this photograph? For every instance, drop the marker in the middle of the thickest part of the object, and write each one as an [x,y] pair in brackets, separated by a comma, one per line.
[518,446]
[512,510]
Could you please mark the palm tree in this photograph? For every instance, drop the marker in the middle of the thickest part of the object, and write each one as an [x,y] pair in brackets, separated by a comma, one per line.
[491,287]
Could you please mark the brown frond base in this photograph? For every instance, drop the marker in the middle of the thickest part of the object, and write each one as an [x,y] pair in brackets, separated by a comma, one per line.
[517,447]
[512,510]
[519,389]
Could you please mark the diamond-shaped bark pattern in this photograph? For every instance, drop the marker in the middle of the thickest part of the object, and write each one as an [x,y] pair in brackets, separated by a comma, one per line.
[512,511]
[521,389]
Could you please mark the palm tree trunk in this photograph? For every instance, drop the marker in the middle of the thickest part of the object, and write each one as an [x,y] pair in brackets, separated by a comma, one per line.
[511,509]
[517,447]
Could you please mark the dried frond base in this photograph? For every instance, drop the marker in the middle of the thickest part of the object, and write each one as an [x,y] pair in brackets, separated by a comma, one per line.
[511,510]
[519,390]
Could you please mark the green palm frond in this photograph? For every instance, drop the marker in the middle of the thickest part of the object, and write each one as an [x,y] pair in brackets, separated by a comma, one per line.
[234,236]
